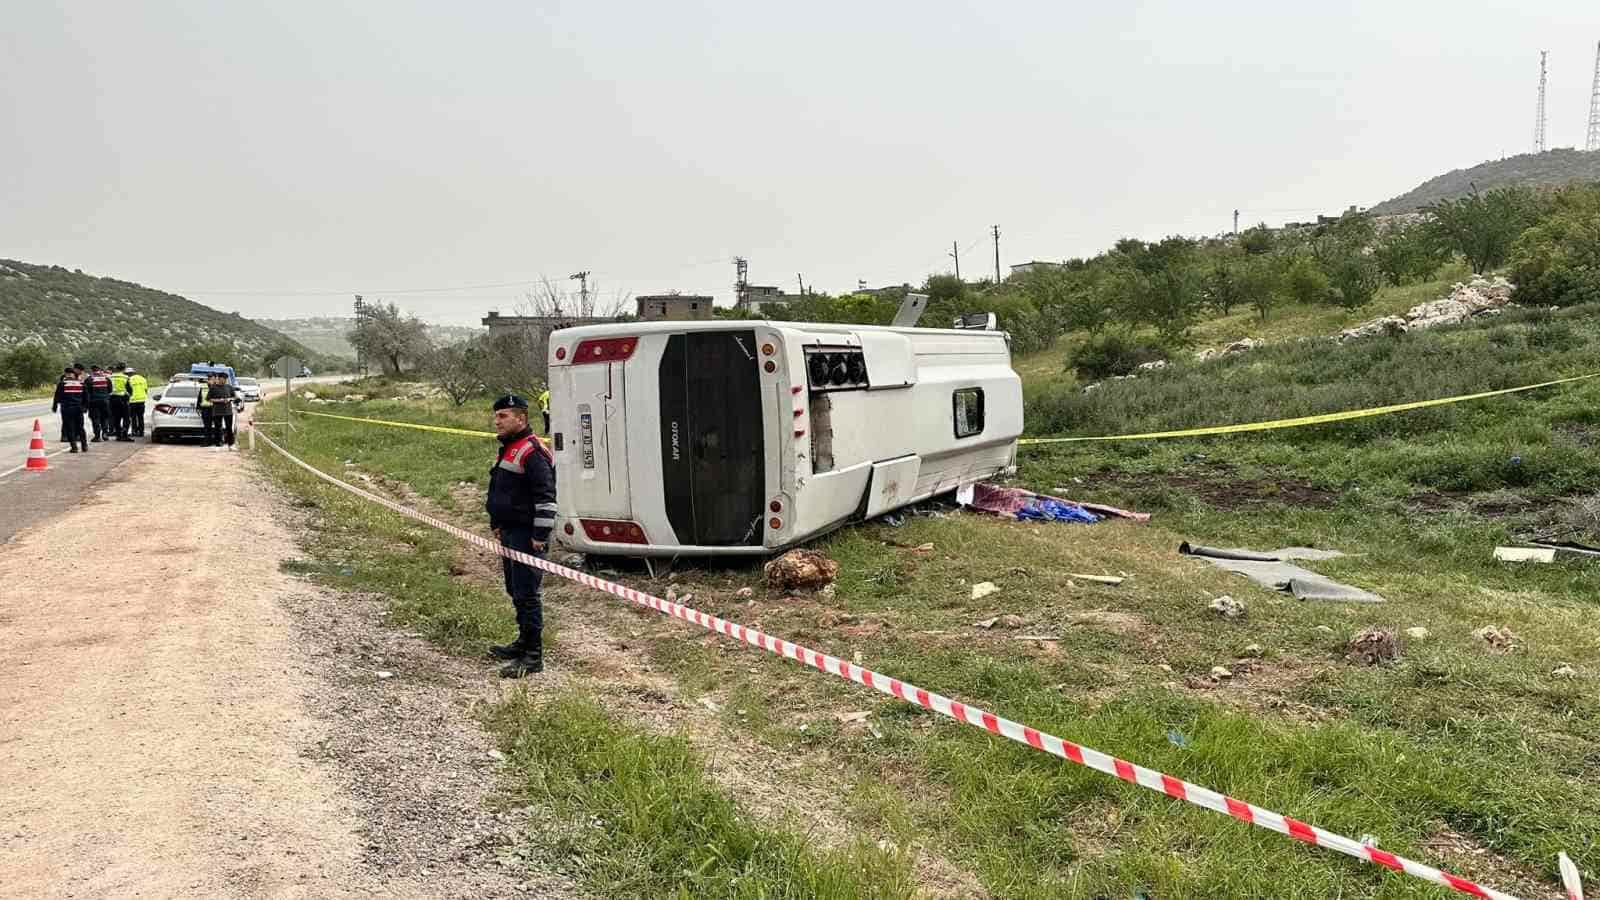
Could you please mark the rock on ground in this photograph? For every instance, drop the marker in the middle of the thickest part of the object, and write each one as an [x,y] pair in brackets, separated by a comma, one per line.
[801,570]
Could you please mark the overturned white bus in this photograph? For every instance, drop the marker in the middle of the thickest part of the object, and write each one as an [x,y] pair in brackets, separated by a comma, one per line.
[746,437]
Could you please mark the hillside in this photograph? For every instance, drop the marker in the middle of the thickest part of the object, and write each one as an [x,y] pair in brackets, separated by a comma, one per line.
[326,334]
[70,312]
[1550,169]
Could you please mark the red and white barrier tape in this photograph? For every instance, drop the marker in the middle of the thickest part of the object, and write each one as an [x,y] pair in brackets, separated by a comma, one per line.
[970,715]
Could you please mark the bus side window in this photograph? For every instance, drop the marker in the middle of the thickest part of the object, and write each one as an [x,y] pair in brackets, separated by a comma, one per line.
[968,412]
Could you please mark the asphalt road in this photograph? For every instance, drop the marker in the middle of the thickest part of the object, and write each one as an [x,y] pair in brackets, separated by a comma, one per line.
[16,428]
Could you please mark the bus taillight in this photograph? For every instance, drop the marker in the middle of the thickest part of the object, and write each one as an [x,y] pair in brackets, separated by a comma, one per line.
[613,531]
[604,350]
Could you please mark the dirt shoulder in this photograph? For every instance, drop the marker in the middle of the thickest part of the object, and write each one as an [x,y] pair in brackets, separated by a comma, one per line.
[179,717]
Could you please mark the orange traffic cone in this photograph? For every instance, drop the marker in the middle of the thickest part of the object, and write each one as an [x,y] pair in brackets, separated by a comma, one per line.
[36,460]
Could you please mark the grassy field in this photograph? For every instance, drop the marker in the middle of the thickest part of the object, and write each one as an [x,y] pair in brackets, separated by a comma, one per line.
[1472,757]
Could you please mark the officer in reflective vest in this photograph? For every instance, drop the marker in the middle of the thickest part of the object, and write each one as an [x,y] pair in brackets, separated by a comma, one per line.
[522,511]
[544,409]
[69,402]
[119,402]
[98,389]
[138,394]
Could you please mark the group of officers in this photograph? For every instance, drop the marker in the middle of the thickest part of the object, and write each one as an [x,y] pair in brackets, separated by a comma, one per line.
[113,399]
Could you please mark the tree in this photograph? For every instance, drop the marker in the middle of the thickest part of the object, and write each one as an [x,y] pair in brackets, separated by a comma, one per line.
[1162,284]
[1220,284]
[1557,261]
[1482,227]
[179,360]
[1305,282]
[1258,240]
[1409,253]
[1261,284]
[28,365]
[382,332]
[453,369]
[509,363]
[1355,279]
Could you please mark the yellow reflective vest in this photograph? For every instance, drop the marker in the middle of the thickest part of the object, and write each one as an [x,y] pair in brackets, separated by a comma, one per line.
[138,388]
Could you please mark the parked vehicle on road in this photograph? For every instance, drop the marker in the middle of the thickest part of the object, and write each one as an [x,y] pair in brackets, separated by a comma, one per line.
[716,438]
[250,389]
[176,412]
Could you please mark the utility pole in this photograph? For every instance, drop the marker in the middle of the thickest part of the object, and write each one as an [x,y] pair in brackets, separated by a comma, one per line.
[361,312]
[1593,143]
[1538,127]
[741,281]
[582,278]
[997,255]
[1236,223]
[955,254]
[802,279]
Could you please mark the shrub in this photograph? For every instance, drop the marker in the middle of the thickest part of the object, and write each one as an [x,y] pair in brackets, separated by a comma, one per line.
[1115,351]
[28,366]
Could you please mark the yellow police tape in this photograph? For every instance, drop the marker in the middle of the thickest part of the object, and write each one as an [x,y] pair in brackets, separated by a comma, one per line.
[1145,436]
[438,428]
[1305,420]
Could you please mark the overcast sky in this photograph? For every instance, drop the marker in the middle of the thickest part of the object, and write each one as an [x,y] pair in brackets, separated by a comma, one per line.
[273,158]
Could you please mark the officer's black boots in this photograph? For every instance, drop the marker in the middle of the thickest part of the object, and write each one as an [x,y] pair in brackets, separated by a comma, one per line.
[528,661]
[508,651]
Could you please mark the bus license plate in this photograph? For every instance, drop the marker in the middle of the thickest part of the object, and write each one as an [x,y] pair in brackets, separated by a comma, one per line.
[586,422]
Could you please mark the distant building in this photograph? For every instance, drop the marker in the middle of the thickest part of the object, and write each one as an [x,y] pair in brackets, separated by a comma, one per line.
[1035,265]
[675,307]
[756,297]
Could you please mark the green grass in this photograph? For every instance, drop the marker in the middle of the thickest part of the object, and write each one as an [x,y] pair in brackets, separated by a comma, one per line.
[653,824]
[641,816]
[1450,738]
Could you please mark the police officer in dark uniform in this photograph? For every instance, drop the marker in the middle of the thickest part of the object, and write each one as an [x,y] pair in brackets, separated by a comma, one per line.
[98,390]
[69,402]
[522,511]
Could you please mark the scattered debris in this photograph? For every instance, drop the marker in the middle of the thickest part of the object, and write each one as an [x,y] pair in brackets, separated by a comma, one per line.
[849,718]
[1371,646]
[1097,579]
[1525,554]
[1417,633]
[1177,739]
[1221,673]
[1164,667]
[496,756]
[745,593]
[1152,366]
[894,520]
[801,570]
[828,591]
[1227,607]
[1037,637]
[1323,629]
[711,704]
[384,674]
[1273,570]
[983,589]
[1496,637]
[1016,503]
[671,595]
[1253,651]
[1563,671]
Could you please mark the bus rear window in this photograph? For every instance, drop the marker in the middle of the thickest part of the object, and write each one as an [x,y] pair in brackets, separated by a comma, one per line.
[969,412]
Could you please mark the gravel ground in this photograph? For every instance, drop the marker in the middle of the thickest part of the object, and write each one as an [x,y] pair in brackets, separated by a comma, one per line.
[180,717]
